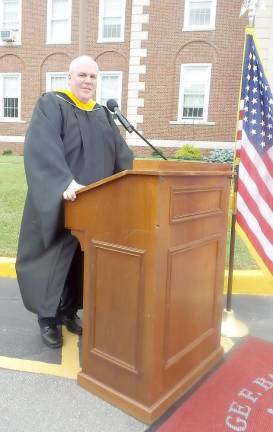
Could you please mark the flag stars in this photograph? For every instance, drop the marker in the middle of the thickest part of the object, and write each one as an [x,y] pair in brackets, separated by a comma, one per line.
[253,111]
[262,144]
[254,101]
[269,136]
[253,132]
[253,121]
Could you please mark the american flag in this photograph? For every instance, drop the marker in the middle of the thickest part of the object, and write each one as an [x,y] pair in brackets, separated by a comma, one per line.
[255,182]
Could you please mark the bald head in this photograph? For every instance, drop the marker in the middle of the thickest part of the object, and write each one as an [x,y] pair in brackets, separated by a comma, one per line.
[82,61]
[82,78]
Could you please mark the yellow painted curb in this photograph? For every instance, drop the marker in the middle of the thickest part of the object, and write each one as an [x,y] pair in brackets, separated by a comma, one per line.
[69,368]
[252,282]
[7,267]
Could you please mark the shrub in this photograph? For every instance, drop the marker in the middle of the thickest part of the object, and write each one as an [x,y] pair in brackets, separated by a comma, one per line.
[155,154]
[221,156]
[7,152]
[189,152]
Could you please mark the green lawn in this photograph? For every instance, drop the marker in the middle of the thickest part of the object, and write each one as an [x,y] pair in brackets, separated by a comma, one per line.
[12,196]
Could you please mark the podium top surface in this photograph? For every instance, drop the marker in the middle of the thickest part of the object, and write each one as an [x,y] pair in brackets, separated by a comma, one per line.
[167,168]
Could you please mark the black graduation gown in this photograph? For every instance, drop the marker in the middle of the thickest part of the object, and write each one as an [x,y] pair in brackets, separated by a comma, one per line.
[62,143]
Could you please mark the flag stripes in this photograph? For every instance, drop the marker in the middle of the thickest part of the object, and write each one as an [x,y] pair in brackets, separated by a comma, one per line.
[255,182]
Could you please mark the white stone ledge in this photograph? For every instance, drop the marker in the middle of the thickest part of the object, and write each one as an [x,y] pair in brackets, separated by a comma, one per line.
[197,144]
[12,139]
[192,122]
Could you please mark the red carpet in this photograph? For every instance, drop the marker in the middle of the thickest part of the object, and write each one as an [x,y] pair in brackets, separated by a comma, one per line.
[237,397]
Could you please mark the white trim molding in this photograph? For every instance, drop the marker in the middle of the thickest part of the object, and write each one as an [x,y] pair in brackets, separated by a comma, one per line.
[199,27]
[101,37]
[179,143]
[11,139]
[206,78]
[11,75]
[117,74]
[63,38]
[18,36]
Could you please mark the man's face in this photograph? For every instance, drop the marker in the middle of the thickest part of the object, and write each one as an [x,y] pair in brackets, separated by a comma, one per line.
[82,80]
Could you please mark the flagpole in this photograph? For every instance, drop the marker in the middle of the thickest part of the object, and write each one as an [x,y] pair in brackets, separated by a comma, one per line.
[231,327]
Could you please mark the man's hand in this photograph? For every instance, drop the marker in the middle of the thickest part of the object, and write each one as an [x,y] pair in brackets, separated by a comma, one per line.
[70,193]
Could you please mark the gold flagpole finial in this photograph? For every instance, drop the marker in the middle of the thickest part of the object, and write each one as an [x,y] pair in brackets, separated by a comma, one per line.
[251,6]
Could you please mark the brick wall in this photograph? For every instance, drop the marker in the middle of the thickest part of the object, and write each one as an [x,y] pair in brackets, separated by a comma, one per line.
[159,24]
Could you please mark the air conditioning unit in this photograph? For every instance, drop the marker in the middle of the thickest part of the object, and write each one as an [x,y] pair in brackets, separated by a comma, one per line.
[7,36]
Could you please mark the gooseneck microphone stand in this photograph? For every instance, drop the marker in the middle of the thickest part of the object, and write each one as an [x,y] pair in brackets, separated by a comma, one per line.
[112,105]
[144,139]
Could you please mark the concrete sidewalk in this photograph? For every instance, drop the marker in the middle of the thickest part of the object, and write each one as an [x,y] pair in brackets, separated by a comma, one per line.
[38,385]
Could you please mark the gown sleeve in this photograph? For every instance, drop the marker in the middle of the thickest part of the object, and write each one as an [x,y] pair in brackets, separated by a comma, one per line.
[47,171]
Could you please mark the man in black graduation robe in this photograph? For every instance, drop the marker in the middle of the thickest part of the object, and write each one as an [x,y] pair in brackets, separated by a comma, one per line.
[71,142]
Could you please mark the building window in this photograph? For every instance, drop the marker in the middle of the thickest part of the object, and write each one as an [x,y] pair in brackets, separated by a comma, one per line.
[59,21]
[56,80]
[199,15]
[194,92]
[111,20]
[109,87]
[10,96]
[10,21]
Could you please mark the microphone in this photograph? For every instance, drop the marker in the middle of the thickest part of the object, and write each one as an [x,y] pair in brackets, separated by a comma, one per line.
[112,105]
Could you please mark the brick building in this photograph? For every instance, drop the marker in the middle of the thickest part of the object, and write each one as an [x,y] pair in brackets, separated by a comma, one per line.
[173,65]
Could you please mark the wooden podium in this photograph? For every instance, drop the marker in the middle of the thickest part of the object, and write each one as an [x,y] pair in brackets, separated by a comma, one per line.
[154,249]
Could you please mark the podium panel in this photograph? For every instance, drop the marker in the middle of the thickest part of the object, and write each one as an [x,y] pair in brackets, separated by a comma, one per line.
[154,250]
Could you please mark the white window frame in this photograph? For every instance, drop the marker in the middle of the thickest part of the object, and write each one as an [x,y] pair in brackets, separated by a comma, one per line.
[188,27]
[103,73]
[10,119]
[180,117]
[49,75]
[49,20]
[19,38]
[101,39]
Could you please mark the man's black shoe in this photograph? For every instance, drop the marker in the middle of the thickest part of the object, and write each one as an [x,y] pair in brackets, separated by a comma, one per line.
[52,336]
[73,324]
